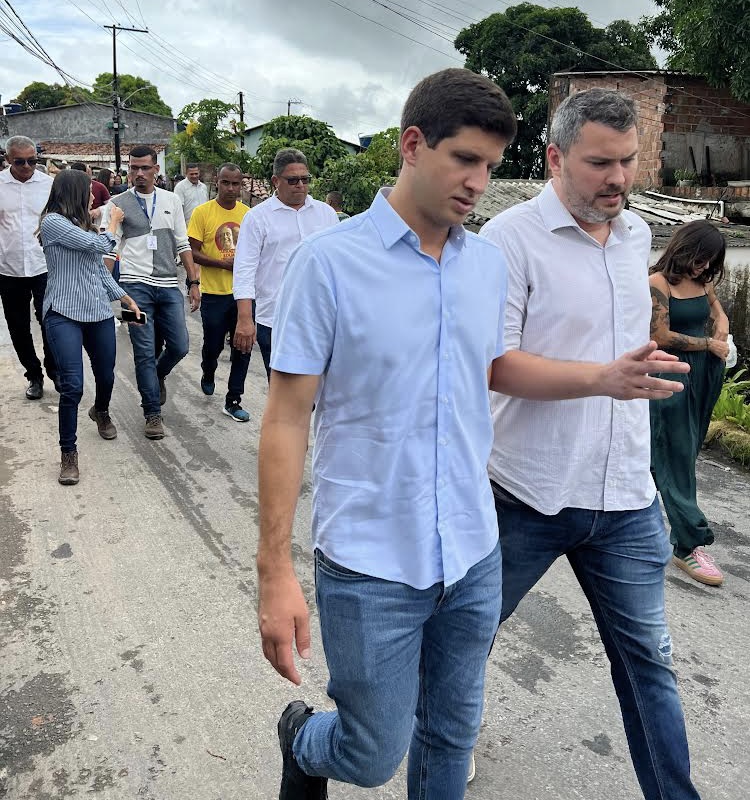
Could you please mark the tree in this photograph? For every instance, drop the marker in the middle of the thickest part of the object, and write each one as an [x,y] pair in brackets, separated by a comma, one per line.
[39,95]
[521,48]
[359,177]
[314,138]
[135,93]
[708,38]
[208,136]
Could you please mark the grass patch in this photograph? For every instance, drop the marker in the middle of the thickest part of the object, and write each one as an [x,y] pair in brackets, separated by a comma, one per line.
[730,439]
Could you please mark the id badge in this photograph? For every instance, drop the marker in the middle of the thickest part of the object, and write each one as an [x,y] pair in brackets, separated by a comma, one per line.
[151,241]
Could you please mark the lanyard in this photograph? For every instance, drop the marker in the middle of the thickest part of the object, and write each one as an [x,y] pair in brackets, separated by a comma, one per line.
[142,204]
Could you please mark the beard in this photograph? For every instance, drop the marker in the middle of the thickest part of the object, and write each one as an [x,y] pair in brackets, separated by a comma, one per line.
[583,208]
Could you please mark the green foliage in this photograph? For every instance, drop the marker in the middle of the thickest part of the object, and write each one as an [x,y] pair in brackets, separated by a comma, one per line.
[208,136]
[359,177]
[731,404]
[314,138]
[39,95]
[522,47]
[135,93]
[706,37]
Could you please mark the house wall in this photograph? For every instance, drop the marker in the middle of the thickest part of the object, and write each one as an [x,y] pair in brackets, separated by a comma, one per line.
[88,123]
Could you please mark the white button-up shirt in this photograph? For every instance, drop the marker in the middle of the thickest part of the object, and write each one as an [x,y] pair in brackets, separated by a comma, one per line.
[571,298]
[268,236]
[191,195]
[21,203]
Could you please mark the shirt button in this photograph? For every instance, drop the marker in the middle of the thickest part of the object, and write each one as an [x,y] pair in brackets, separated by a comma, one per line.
[443,441]
[445,399]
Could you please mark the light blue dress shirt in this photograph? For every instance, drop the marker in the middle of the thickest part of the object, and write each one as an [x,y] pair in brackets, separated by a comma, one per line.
[402,426]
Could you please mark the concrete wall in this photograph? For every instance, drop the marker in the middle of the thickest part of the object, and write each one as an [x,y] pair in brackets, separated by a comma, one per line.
[88,123]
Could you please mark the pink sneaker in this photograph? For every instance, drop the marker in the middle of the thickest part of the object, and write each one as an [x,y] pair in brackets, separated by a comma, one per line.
[701,567]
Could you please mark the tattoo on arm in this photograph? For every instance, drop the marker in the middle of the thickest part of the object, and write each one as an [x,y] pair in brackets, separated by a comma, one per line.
[660,330]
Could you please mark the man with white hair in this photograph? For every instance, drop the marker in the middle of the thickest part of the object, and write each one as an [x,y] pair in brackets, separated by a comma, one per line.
[23,269]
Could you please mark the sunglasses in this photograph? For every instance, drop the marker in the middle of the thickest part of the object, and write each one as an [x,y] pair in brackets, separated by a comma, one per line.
[19,162]
[305,179]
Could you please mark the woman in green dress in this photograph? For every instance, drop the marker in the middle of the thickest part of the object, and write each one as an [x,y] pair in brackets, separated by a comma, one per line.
[687,320]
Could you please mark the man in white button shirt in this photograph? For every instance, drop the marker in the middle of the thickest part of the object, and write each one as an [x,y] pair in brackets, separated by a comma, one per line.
[268,236]
[191,191]
[571,477]
[23,269]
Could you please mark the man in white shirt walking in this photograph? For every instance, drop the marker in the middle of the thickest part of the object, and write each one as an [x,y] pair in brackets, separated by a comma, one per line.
[23,269]
[268,236]
[572,478]
[191,191]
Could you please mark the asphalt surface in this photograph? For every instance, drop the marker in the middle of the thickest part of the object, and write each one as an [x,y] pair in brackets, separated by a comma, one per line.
[130,662]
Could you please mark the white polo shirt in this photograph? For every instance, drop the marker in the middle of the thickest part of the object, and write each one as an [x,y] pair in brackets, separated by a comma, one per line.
[269,234]
[570,298]
[21,203]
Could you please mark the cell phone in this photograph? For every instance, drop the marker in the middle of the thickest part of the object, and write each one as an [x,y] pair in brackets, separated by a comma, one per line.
[129,316]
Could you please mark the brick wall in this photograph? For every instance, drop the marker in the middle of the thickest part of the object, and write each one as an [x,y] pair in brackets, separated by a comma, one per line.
[694,105]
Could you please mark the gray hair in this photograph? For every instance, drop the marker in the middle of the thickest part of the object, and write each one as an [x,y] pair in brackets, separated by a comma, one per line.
[287,156]
[20,143]
[605,106]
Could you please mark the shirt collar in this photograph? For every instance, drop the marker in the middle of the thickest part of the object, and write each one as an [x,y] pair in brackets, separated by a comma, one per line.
[555,215]
[276,204]
[393,228]
[35,178]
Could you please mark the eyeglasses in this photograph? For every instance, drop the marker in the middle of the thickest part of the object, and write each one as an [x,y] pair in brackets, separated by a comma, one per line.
[19,162]
[305,179]
[142,169]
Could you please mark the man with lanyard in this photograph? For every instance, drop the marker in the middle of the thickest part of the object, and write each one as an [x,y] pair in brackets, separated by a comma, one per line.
[213,231]
[268,236]
[149,240]
[23,269]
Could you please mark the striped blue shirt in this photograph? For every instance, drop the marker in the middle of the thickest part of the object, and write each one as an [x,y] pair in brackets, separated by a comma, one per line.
[79,286]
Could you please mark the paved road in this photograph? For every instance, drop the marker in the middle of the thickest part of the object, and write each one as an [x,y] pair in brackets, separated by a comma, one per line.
[130,664]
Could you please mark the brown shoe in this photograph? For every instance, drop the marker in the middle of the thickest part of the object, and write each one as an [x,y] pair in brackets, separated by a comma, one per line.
[154,427]
[68,469]
[104,423]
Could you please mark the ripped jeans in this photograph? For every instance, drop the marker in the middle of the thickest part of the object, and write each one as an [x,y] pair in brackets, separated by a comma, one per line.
[619,559]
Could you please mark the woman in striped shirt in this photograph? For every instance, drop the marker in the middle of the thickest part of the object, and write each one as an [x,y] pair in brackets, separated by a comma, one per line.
[76,310]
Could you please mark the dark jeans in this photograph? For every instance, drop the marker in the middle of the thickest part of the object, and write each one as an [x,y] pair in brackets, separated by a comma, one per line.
[17,294]
[263,337]
[165,308]
[619,558]
[67,338]
[219,316]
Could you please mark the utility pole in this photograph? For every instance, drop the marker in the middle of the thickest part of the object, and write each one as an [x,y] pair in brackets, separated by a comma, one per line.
[293,101]
[242,122]
[115,89]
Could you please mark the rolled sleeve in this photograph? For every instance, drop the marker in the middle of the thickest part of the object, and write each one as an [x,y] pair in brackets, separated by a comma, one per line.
[517,289]
[247,257]
[305,320]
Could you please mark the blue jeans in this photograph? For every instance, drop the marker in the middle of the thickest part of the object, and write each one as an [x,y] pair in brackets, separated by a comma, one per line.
[67,338]
[619,558]
[406,672]
[219,317]
[165,308]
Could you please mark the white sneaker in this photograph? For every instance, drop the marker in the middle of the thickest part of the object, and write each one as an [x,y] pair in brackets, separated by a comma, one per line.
[472,769]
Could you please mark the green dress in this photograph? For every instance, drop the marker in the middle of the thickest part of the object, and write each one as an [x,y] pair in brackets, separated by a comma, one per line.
[679,425]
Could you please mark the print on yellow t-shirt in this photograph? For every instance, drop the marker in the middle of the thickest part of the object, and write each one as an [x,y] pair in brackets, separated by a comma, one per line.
[217,228]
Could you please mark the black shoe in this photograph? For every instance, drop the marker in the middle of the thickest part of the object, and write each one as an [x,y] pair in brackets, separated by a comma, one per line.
[296,784]
[162,392]
[207,385]
[35,390]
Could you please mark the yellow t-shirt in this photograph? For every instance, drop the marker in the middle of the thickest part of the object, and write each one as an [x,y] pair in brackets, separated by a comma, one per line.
[218,229]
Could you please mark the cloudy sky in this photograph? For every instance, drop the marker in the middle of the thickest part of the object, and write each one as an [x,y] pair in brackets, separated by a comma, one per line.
[350,71]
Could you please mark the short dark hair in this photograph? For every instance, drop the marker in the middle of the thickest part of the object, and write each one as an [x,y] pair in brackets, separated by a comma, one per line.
[605,106]
[335,199]
[69,196]
[192,166]
[693,245]
[143,150]
[228,165]
[287,156]
[446,101]
[79,165]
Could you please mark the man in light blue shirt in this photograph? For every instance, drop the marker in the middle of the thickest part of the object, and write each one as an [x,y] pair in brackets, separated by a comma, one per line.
[389,322]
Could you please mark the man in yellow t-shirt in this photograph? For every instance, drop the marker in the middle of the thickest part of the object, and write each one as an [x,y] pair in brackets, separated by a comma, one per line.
[212,231]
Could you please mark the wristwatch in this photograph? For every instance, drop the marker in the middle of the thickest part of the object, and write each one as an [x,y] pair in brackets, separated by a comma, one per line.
[190,283]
